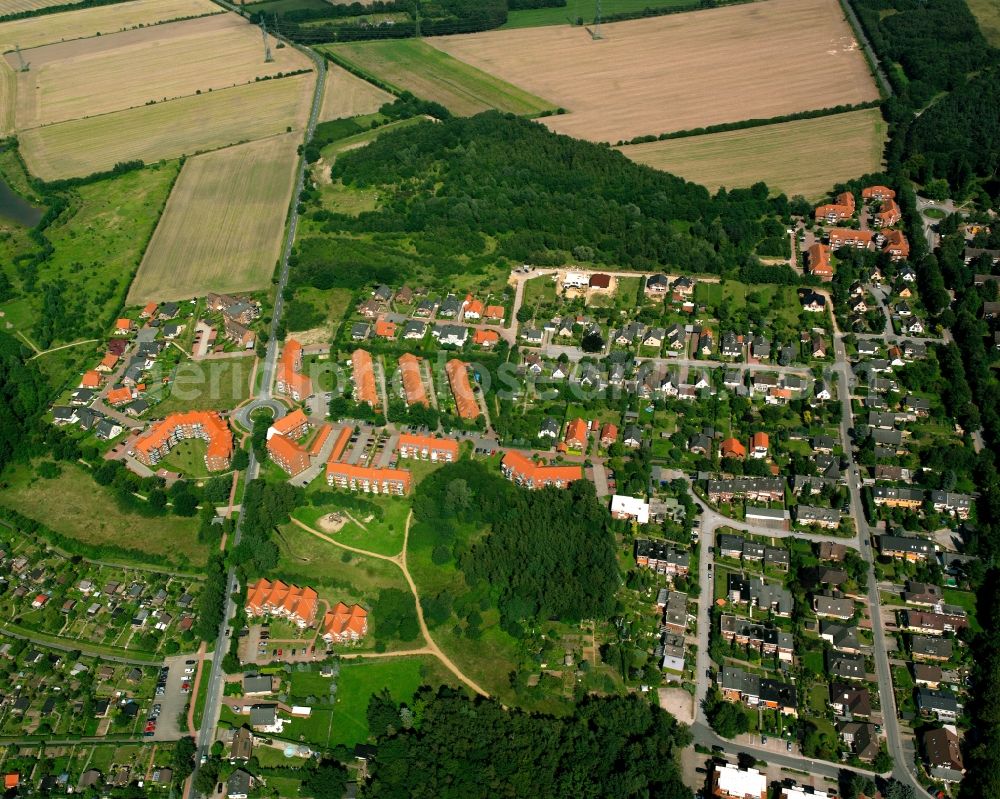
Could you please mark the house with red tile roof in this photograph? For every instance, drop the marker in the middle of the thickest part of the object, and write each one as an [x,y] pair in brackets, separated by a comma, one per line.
[576,434]
[760,443]
[732,448]
[837,211]
[526,473]
[485,338]
[427,448]
[413,382]
[495,313]
[155,443]
[11,780]
[364,378]
[458,379]
[91,379]
[368,479]
[265,598]
[345,623]
[149,310]
[290,381]
[599,280]
[385,328]
[473,310]
[124,326]
[119,396]
[848,237]
[108,363]
[609,434]
[818,257]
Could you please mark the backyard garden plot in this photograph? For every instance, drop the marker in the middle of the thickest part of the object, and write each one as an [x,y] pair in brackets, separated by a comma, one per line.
[92,22]
[346,95]
[413,65]
[96,76]
[678,72]
[167,130]
[804,157]
[222,227]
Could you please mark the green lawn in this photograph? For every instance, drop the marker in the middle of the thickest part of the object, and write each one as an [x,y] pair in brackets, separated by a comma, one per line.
[967,600]
[358,681]
[207,385]
[413,65]
[188,458]
[383,536]
[77,507]
[576,10]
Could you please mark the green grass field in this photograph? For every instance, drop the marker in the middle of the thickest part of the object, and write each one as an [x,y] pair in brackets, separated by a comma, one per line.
[77,507]
[802,157]
[577,10]
[412,65]
[987,13]
[207,385]
[98,243]
[188,458]
[358,681]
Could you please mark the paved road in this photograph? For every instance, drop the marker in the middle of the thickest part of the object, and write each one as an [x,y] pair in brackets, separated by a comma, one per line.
[210,720]
[900,747]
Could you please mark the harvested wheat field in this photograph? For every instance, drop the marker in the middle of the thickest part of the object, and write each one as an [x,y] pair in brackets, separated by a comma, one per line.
[168,130]
[682,71]
[86,22]
[415,66]
[127,70]
[222,227]
[346,95]
[8,7]
[804,157]
[8,94]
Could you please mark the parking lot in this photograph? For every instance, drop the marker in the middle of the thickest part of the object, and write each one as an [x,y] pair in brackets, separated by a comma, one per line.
[173,700]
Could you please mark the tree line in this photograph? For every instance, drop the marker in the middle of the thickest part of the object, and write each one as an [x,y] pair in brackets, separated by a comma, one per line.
[447,746]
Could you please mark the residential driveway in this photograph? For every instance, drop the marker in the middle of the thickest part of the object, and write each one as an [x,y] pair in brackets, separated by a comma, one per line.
[173,703]
[600,479]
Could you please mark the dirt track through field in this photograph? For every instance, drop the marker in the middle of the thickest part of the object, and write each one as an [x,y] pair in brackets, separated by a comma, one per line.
[681,71]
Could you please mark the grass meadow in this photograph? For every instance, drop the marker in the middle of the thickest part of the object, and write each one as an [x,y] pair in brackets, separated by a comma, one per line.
[77,507]
[413,65]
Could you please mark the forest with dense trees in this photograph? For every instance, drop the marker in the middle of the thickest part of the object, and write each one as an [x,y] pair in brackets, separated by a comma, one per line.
[448,746]
[450,185]
[546,554]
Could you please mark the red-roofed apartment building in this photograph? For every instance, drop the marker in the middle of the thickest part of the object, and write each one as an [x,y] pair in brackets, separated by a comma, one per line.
[458,379]
[282,444]
[155,443]
[879,193]
[896,245]
[837,211]
[428,448]
[368,479]
[290,381]
[818,256]
[345,623]
[265,598]
[364,378]
[413,382]
[848,237]
[888,215]
[528,474]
